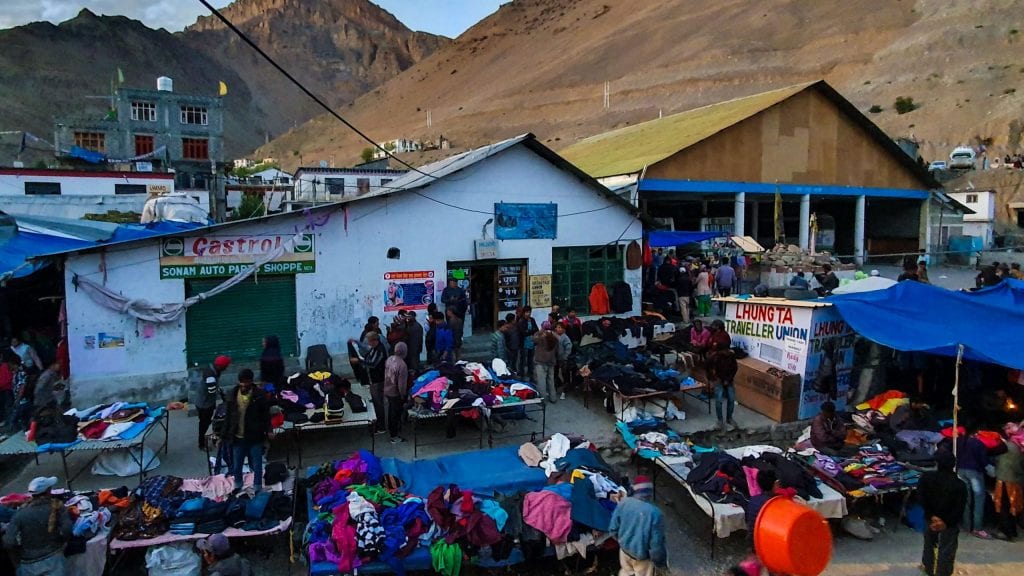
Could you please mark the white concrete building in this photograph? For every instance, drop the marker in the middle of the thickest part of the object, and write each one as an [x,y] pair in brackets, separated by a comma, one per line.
[75,193]
[982,222]
[397,146]
[558,232]
[316,185]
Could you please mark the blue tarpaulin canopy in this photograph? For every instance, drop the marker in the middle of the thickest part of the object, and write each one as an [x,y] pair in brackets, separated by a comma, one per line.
[661,239]
[912,316]
[14,253]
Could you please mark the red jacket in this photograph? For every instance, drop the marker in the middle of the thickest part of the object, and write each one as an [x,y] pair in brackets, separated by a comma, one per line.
[599,303]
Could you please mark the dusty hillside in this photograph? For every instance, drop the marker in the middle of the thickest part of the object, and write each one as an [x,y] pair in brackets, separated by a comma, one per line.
[541,65]
[341,48]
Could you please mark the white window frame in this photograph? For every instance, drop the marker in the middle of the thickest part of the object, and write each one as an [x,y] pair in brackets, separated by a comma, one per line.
[143,111]
[200,113]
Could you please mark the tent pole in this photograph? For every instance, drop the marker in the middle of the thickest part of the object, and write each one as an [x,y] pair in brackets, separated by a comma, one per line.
[956,395]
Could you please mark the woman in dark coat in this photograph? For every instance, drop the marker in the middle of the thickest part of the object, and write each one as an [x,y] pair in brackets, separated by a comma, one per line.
[271,362]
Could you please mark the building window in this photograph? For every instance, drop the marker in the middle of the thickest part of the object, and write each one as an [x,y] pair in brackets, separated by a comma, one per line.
[362,185]
[335,186]
[576,270]
[144,111]
[194,115]
[385,182]
[143,144]
[42,188]
[195,148]
[95,141]
[972,198]
[129,188]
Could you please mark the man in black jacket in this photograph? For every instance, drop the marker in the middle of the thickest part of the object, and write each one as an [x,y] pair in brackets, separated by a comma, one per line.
[248,427]
[373,357]
[943,497]
[414,332]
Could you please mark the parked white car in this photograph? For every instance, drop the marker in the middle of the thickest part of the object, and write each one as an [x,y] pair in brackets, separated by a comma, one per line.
[962,158]
[937,166]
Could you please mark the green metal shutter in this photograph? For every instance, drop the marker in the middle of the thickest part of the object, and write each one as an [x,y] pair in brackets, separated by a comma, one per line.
[234,322]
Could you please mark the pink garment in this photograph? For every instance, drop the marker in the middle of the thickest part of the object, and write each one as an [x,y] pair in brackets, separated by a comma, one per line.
[751,474]
[343,535]
[549,513]
[702,338]
[216,487]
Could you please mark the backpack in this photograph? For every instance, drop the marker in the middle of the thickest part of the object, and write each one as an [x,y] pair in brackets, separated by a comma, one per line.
[219,424]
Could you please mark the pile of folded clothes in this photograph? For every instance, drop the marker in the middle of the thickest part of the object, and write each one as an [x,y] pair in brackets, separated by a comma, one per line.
[466,385]
[651,438]
[91,512]
[168,504]
[872,470]
[317,396]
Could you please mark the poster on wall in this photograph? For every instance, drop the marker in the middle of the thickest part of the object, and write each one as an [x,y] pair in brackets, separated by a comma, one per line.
[408,290]
[108,340]
[829,367]
[509,280]
[217,256]
[525,221]
[540,291]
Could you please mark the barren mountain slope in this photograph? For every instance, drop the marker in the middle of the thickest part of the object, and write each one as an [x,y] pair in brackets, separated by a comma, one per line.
[541,65]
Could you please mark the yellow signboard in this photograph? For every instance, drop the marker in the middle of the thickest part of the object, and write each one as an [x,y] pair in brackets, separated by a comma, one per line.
[540,291]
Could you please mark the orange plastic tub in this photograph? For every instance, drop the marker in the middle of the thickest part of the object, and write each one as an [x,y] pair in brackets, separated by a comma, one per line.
[792,539]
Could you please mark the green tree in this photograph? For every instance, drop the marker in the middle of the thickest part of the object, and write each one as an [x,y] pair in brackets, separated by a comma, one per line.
[875,109]
[367,154]
[905,104]
[251,207]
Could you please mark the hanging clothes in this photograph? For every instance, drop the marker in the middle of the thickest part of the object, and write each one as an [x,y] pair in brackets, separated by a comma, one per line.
[599,301]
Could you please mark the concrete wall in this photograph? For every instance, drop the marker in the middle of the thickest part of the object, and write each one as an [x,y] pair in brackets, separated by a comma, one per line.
[311,185]
[333,303]
[13,184]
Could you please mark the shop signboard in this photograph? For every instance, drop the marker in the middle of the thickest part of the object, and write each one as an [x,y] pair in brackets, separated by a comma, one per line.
[814,342]
[224,256]
[540,291]
[486,249]
[408,290]
[509,281]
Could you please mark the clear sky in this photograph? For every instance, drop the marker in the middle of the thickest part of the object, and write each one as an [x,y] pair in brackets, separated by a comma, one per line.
[447,17]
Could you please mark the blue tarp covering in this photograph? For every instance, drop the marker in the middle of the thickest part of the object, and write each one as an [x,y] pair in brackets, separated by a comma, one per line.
[495,470]
[663,239]
[912,316]
[24,245]
[1009,293]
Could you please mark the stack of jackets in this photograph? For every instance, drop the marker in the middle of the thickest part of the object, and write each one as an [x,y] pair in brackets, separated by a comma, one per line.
[872,470]
[464,385]
[725,479]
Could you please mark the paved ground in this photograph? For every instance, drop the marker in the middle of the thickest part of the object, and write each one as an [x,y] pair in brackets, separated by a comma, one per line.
[895,552]
[688,529]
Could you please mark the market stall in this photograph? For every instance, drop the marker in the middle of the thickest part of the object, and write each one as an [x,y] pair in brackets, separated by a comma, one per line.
[100,429]
[507,505]
[634,379]
[720,482]
[487,395]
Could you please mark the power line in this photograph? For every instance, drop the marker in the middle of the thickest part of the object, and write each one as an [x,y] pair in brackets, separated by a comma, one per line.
[305,90]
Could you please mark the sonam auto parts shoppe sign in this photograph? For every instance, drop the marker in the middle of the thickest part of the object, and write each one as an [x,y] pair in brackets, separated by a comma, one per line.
[225,256]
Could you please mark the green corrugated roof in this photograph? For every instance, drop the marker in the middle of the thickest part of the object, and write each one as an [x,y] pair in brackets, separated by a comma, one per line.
[630,149]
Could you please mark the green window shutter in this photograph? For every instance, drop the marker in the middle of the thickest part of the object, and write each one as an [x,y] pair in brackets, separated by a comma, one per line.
[575,271]
[235,321]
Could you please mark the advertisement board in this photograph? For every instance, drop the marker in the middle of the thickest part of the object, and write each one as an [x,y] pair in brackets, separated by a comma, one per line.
[224,255]
[408,290]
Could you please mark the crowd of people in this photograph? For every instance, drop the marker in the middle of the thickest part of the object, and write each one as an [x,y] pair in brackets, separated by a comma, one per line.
[683,285]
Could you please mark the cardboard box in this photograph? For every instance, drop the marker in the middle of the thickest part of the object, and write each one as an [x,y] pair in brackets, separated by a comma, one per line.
[768,380]
[778,410]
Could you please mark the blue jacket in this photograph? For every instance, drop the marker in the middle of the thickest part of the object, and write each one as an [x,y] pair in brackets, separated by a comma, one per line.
[640,530]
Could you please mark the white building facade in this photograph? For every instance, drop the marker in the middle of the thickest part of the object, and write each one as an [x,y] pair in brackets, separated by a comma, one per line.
[316,185]
[981,224]
[75,193]
[367,257]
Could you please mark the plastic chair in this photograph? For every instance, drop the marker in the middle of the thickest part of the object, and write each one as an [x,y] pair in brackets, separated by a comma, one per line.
[319,358]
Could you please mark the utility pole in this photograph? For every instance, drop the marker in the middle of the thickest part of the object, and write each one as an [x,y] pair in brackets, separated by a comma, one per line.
[607,95]
[430,120]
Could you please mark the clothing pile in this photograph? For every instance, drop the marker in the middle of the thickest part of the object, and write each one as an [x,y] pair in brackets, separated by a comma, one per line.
[89,512]
[725,479]
[630,372]
[463,385]
[168,504]
[52,430]
[574,511]
[610,328]
[316,396]
[651,438]
[873,469]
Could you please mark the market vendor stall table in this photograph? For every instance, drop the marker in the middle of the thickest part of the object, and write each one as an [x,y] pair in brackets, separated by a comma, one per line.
[134,438]
[533,406]
[640,398]
[293,433]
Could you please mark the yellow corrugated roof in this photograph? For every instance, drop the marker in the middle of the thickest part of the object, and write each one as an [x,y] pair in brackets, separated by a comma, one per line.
[629,149]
